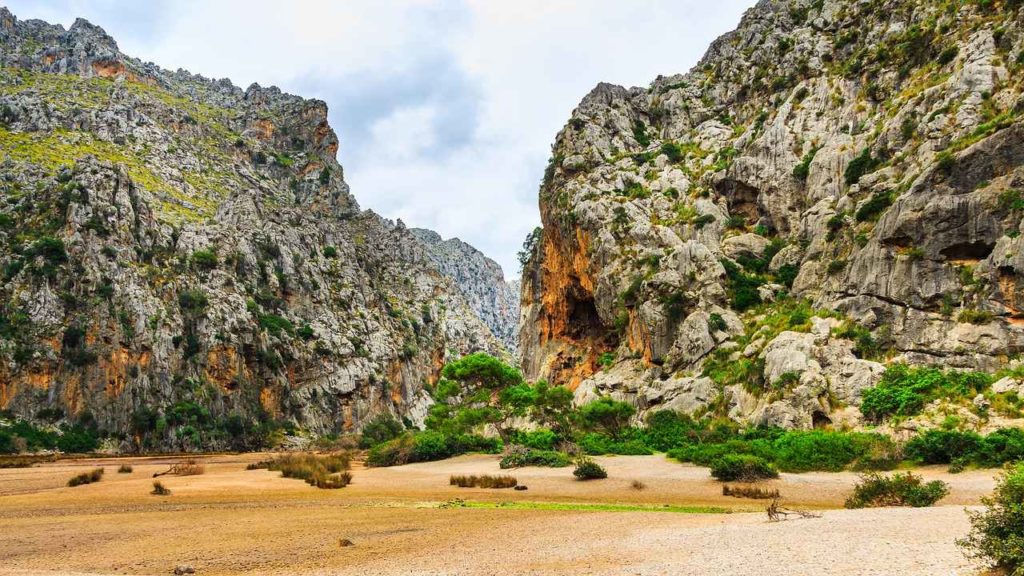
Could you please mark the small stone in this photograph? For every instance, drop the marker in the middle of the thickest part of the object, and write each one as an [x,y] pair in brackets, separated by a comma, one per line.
[184,569]
[345,543]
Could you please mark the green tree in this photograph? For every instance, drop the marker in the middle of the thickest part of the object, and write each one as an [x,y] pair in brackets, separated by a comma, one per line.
[606,415]
[478,390]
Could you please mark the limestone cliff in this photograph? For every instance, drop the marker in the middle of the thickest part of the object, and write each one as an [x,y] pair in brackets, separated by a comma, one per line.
[482,282]
[183,265]
[866,157]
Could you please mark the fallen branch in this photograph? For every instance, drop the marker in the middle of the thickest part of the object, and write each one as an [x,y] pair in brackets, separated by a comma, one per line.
[777,513]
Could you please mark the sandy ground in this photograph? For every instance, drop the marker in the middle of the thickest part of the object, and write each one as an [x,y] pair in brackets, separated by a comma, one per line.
[234,521]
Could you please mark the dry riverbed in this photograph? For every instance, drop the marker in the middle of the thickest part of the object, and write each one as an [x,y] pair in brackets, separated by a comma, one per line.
[236,521]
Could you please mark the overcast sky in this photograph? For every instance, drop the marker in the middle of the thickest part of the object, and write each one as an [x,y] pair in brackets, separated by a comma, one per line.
[446,110]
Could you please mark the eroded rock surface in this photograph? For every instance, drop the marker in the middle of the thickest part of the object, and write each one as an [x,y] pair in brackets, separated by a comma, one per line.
[867,157]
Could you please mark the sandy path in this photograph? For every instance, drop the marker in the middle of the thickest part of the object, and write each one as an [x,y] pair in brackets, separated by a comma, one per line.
[233,521]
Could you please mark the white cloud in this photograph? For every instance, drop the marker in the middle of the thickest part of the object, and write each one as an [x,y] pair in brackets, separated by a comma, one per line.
[446,109]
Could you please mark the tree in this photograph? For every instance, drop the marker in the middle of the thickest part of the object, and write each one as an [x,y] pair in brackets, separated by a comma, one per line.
[552,407]
[606,415]
[997,533]
[478,390]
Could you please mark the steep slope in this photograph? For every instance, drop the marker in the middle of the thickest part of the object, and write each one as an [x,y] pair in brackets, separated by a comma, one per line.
[482,282]
[863,156]
[183,263]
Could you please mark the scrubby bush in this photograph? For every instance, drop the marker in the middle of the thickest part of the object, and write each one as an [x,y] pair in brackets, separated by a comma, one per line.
[942,446]
[484,481]
[124,469]
[536,439]
[428,446]
[587,469]
[159,489]
[204,259]
[997,533]
[752,492]
[597,444]
[904,391]
[328,471]
[743,467]
[803,451]
[94,475]
[520,456]
[900,489]
[379,429]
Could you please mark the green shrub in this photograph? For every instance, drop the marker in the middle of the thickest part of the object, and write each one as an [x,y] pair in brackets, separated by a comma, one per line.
[742,287]
[428,446]
[904,391]
[519,456]
[874,207]
[536,439]
[204,259]
[802,170]
[900,489]
[276,324]
[717,323]
[942,446]
[640,134]
[673,151]
[379,429]
[94,475]
[978,317]
[597,444]
[193,301]
[804,451]
[743,468]
[860,166]
[997,533]
[587,469]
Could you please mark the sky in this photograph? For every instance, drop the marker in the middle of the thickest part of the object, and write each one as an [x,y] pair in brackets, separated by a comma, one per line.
[446,109]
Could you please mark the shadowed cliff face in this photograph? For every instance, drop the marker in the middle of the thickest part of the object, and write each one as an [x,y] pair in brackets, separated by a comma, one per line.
[179,253]
[862,156]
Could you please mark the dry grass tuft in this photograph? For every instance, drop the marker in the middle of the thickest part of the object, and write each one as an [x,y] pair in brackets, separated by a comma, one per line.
[87,477]
[637,485]
[124,469]
[749,492]
[328,471]
[484,481]
[159,489]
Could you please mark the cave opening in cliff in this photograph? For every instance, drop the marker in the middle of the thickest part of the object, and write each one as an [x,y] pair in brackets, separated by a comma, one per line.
[968,251]
[741,198]
[820,420]
[583,322]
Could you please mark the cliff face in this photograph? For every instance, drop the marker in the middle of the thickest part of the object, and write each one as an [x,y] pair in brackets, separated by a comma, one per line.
[183,262]
[481,281]
[864,157]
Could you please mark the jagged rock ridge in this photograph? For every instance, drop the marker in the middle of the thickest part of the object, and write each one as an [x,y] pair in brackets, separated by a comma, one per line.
[482,282]
[184,265]
[865,156]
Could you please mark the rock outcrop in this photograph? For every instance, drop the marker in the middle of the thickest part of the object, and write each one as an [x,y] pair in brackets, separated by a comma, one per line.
[183,265]
[867,157]
[482,282]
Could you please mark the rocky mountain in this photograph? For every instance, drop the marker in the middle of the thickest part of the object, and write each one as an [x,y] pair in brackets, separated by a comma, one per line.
[837,185]
[183,265]
[482,282]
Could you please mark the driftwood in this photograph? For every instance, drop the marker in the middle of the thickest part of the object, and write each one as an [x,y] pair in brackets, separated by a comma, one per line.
[777,513]
[187,468]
